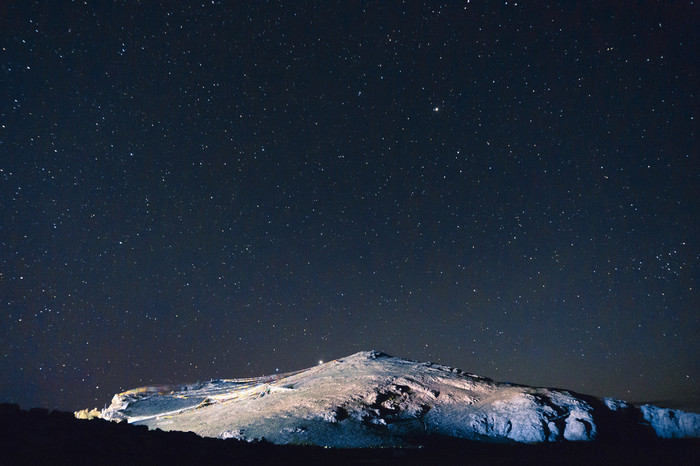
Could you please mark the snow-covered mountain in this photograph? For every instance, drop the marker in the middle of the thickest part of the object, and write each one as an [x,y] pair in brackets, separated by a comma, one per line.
[372,399]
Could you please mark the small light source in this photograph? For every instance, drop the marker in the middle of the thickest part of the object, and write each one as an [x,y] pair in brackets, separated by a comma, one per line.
[320,361]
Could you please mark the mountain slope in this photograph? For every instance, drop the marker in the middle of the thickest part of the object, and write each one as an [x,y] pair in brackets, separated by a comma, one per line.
[372,399]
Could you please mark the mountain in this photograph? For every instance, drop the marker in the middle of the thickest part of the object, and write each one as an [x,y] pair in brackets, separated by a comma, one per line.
[371,399]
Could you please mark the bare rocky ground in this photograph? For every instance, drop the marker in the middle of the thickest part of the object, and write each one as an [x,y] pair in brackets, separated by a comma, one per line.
[38,436]
[373,400]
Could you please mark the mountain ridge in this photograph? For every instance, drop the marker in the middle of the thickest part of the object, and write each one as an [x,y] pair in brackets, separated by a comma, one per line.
[371,399]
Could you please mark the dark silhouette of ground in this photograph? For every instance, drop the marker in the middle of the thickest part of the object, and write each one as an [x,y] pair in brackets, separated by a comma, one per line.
[38,436]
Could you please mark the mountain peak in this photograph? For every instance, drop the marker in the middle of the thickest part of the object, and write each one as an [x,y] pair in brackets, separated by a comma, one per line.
[374,354]
[373,399]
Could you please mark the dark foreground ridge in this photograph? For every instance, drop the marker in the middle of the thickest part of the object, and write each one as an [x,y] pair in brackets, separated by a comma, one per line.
[38,436]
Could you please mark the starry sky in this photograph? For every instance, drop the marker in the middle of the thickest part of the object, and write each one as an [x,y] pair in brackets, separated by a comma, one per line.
[217,190]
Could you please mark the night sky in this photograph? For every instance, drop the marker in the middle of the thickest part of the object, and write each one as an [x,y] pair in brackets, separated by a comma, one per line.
[220,190]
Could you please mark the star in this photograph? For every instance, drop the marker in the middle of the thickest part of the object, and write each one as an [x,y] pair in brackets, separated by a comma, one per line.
[258,203]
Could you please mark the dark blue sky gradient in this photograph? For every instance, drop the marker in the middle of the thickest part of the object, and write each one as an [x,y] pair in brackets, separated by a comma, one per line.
[214,190]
